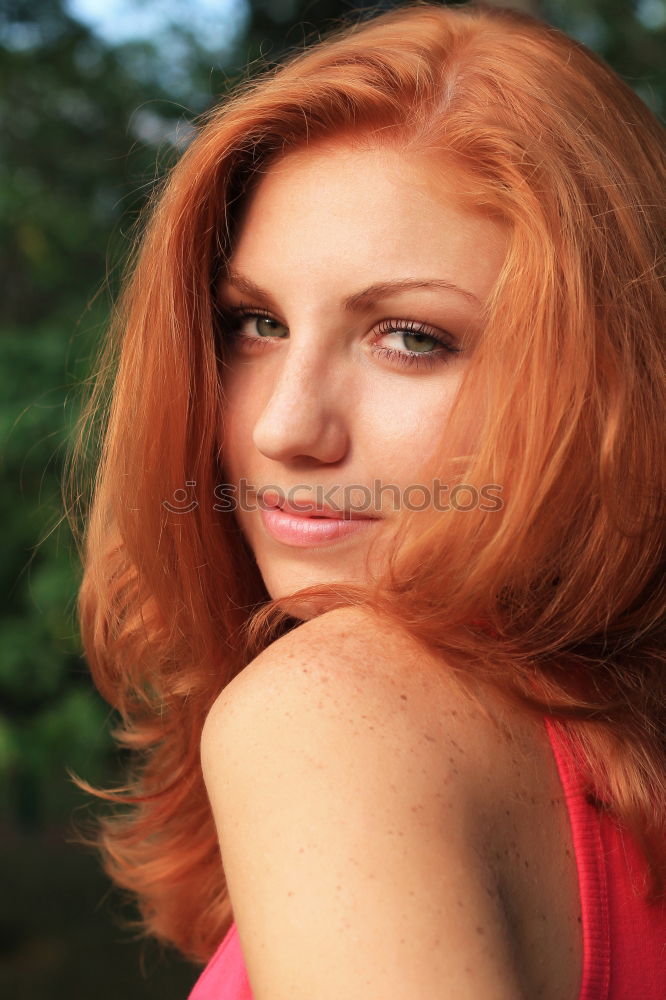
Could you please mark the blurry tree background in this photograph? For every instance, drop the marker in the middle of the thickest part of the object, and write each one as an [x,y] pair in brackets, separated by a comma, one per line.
[96,102]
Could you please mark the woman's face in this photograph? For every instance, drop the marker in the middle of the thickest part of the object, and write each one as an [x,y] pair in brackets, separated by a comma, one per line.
[352,304]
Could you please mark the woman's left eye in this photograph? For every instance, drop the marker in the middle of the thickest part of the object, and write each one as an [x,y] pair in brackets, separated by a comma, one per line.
[426,346]
[419,339]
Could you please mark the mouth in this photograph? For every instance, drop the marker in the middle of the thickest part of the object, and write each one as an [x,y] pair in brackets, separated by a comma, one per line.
[312,525]
[312,510]
[319,511]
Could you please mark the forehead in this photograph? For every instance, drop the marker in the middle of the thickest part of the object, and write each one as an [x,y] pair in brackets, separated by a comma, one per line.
[349,171]
[333,210]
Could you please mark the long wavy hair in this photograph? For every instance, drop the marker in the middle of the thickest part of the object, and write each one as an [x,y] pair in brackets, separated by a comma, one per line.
[557,604]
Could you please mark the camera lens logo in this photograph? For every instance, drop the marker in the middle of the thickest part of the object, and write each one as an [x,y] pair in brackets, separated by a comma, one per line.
[180,502]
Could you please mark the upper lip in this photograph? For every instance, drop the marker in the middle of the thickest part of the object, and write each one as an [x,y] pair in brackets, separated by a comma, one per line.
[308,508]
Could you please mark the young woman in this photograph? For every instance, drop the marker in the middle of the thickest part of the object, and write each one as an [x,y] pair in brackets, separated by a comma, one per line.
[372,568]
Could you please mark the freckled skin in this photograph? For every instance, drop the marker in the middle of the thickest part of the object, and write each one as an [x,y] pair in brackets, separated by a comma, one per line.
[521,829]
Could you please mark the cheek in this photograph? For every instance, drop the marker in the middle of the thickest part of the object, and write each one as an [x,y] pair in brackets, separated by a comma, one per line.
[403,427]
[244,387]
[236,434]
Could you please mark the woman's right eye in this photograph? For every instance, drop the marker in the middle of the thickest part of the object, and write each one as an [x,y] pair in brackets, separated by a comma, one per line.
[255,325]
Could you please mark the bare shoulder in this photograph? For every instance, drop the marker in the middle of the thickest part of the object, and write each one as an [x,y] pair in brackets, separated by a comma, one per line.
[351,656]
[367,682]
[344,769]
[341,679]
[345,752]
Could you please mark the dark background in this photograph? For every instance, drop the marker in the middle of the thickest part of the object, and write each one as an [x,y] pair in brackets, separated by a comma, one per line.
[88,122]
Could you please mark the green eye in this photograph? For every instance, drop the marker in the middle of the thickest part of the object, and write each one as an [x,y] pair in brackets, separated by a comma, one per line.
[270,325]
[266,328]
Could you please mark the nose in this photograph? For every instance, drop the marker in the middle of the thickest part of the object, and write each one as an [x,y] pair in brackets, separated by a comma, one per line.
[304,415]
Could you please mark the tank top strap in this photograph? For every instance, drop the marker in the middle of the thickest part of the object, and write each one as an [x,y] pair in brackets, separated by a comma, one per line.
[624,935]
[592,876]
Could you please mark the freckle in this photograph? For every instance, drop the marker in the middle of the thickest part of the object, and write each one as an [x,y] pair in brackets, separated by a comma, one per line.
[460,902]
[507,812]
[403,697]
[527,864]
[480,930]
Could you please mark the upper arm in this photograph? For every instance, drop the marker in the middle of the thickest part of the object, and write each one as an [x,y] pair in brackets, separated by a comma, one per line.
[345,829]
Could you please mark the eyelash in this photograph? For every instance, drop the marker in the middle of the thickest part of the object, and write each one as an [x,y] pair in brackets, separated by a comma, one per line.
[239,313]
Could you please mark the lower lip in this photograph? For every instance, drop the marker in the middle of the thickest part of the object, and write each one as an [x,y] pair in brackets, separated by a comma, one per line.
[308,531]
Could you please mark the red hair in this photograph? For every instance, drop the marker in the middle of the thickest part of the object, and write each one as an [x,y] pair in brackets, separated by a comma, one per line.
[567,579]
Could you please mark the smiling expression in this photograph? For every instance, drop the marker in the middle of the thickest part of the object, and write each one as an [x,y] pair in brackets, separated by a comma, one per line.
[351,306]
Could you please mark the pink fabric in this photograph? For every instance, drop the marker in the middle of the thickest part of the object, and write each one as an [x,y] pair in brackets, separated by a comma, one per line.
[624,940]
[225,976]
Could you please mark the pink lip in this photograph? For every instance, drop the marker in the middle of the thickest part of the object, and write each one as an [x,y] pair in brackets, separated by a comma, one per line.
[321,510]
[312,528]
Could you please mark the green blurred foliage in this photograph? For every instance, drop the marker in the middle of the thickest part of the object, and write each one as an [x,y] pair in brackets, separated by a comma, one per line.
[87,129]
[72,179]
[629,34]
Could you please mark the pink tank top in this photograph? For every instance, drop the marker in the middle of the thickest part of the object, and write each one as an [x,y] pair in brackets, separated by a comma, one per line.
[624,939]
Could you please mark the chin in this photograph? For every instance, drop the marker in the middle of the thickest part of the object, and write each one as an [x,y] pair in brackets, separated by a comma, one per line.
[302,609]
[282,589]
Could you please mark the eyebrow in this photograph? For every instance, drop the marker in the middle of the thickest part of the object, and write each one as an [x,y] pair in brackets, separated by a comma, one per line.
[359,300]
